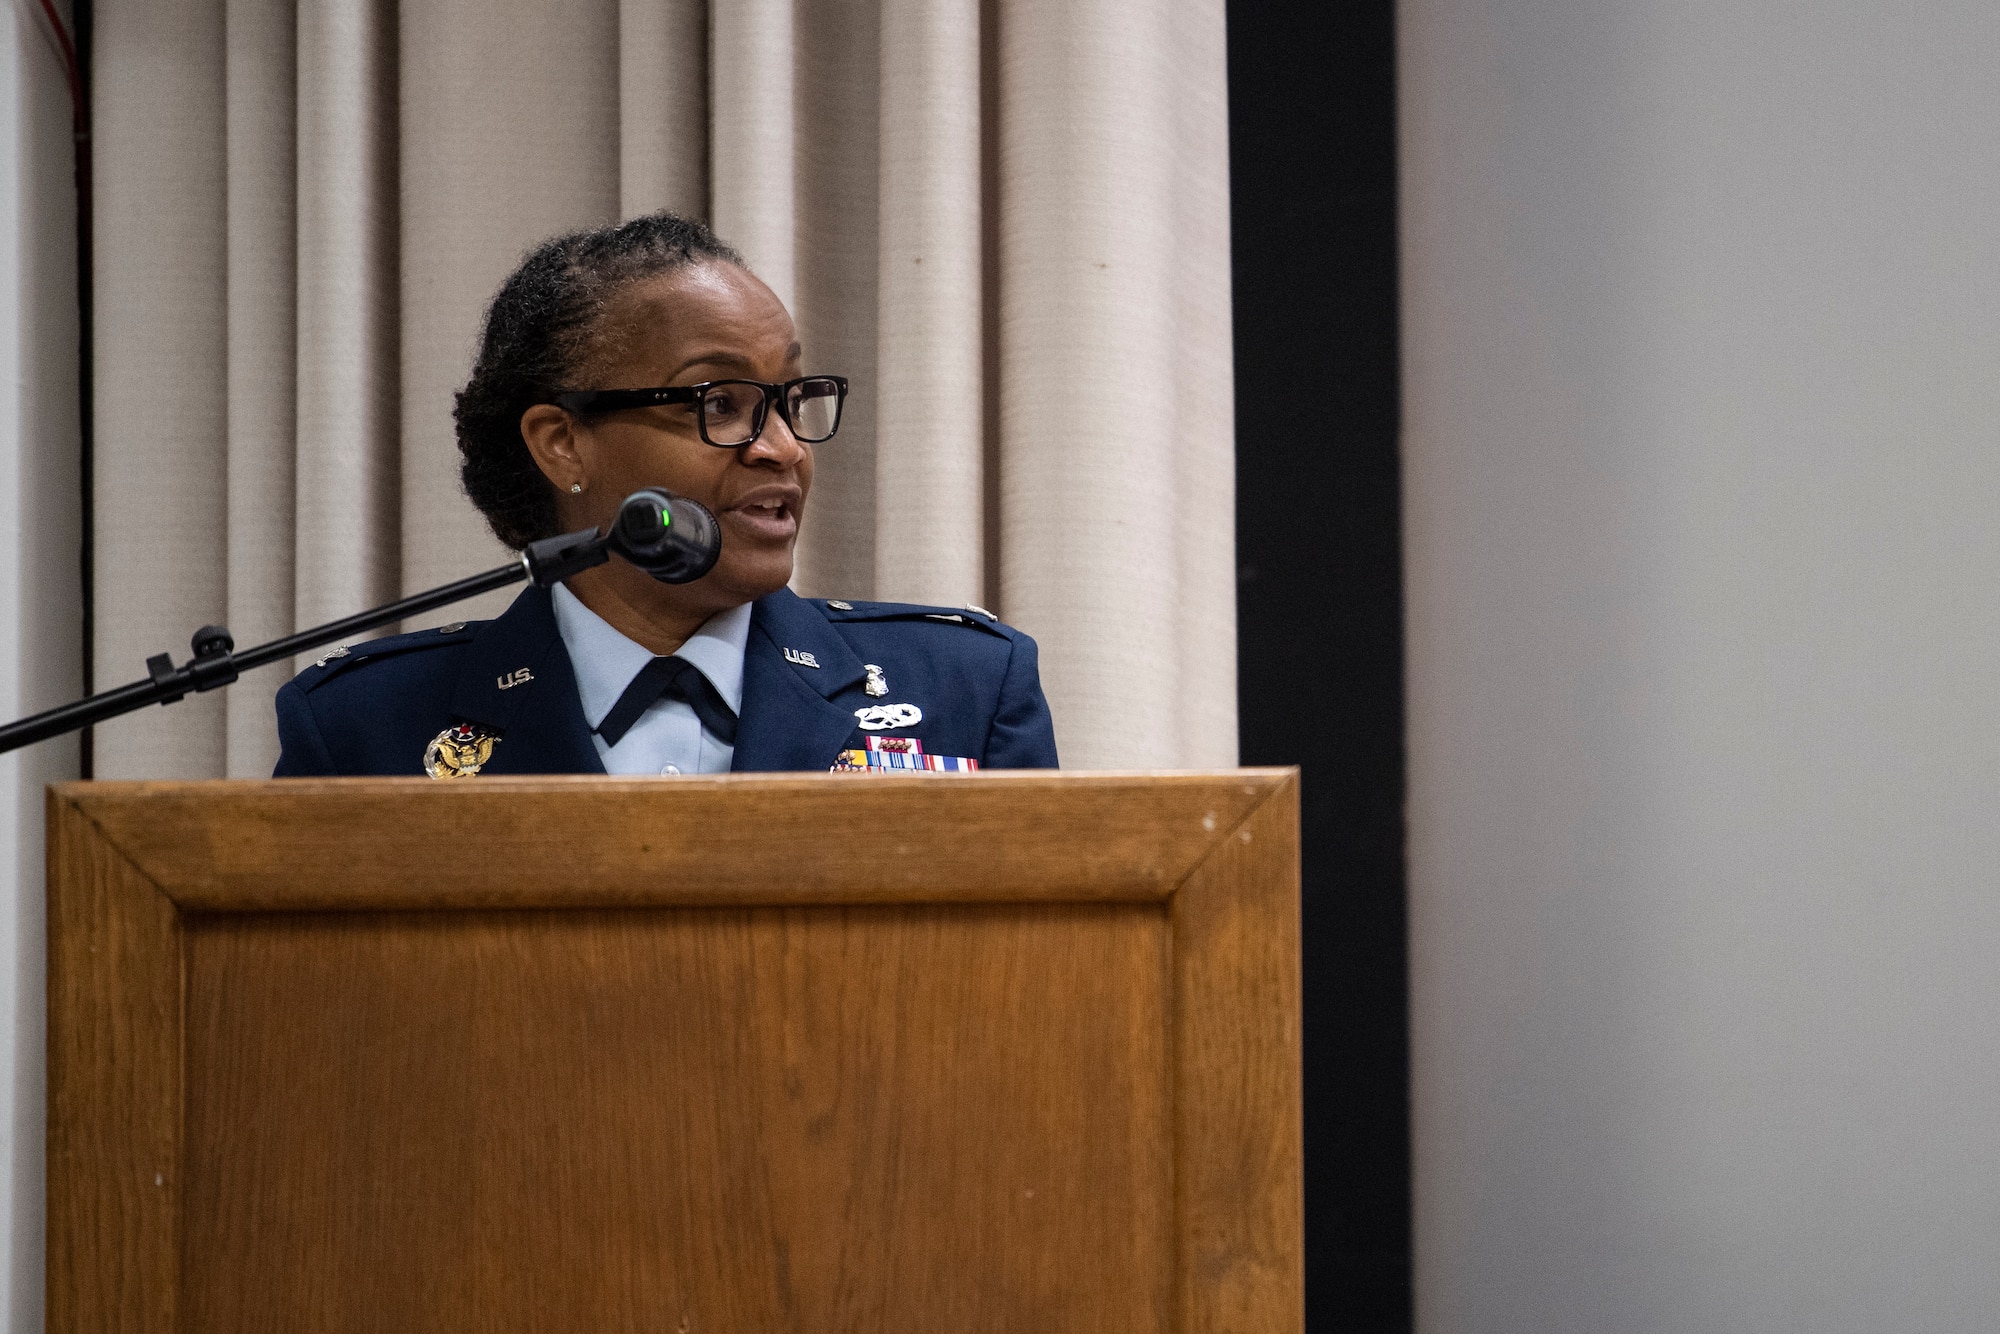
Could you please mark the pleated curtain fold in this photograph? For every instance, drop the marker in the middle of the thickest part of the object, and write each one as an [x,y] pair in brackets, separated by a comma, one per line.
[1006,222]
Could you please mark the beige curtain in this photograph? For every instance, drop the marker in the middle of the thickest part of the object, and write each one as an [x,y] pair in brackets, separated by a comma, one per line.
[1007,222]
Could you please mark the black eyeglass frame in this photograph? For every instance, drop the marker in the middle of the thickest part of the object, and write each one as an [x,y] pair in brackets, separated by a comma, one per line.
[585,402]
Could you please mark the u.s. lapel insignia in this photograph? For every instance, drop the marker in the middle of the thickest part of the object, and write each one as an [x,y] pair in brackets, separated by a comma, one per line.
[882,717]
[802,658]
[878,684]
[459,752]
[520,676]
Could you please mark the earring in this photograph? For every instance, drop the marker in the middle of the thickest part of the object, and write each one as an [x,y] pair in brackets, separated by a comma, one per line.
[576,488]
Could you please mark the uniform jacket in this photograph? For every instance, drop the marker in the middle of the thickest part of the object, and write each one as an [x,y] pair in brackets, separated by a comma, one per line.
[376,708]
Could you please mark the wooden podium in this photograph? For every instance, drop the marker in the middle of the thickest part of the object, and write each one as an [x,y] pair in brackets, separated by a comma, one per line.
[1006,1051]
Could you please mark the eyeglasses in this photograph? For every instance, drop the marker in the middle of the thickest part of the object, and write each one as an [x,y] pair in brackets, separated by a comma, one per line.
[731,412]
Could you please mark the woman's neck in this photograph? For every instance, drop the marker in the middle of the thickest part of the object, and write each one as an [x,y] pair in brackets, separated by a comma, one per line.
[658,616]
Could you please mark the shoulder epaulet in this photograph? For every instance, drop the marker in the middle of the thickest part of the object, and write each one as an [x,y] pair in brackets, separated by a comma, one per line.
[838,609]
[341,659]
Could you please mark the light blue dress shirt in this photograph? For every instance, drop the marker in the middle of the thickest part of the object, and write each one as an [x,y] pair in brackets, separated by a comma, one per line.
[668,738]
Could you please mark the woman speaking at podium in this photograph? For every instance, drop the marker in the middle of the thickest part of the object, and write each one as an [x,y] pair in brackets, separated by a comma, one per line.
[640,355]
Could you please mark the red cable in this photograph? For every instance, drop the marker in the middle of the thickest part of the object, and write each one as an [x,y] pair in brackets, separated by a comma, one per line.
[79,116]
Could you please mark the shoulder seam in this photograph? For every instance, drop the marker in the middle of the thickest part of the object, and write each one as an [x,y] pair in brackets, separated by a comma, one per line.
[840,612]
[339,661]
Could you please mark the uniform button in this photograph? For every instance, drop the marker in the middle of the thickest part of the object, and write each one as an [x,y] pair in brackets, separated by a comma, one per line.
[669,769]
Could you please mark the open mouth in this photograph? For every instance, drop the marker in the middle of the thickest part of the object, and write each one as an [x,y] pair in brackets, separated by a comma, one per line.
[771,518]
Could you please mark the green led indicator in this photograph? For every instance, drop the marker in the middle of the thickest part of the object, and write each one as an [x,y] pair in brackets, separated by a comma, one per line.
[666,519]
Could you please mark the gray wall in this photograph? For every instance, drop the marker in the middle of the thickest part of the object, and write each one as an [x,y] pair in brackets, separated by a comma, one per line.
[41,637]
[1702,338]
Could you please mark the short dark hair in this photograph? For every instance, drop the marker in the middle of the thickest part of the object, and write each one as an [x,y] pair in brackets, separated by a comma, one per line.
[539,330]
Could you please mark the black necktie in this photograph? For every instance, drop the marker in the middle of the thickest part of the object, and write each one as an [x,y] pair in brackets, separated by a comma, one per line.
[672,678]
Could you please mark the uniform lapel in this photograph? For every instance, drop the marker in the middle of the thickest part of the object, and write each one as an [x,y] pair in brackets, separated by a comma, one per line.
[788,722]
[516,679]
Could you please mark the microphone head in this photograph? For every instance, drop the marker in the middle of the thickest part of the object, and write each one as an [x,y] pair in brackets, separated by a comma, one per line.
[672,538]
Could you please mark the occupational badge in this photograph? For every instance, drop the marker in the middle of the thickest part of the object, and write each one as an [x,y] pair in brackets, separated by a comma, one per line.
[459,752]
[882,717]
[878,684]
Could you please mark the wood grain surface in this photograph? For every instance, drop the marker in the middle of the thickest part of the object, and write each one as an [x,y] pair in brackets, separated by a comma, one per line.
[859,1118]
[523,842]
[115,1165]
[1239,1089]
[768,1054]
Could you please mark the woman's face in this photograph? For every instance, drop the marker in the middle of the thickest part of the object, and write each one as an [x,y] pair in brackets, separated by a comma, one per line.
[707,321]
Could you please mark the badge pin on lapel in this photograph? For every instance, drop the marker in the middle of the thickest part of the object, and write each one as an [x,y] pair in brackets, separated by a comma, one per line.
[878,684]
[882,717]
[519,676]
[803,659]
[459,752]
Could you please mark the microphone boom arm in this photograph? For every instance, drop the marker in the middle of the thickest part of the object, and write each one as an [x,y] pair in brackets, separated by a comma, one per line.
[215,663]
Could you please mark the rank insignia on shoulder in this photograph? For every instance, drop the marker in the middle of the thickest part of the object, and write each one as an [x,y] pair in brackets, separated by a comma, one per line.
[459,752]
[905,761]
[340,652]
[882,717]
[802,658]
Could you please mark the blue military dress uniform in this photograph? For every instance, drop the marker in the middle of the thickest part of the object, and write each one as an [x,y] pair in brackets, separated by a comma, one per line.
[959,683]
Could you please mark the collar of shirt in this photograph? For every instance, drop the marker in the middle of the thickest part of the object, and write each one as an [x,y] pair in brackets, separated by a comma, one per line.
[605,661]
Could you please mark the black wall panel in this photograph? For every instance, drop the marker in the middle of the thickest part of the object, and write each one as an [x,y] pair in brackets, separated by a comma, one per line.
[1312,133]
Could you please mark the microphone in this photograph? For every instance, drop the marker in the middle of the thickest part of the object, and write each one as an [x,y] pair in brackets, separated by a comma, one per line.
[672,538]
